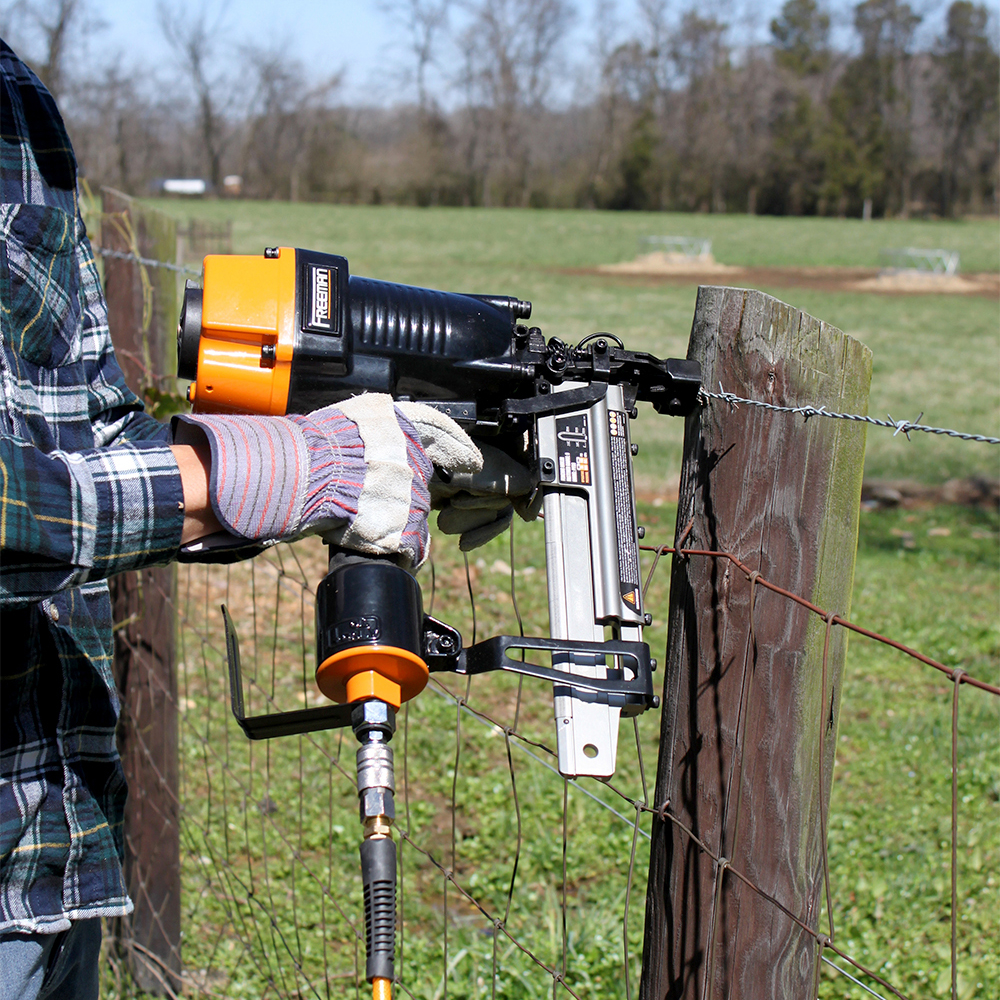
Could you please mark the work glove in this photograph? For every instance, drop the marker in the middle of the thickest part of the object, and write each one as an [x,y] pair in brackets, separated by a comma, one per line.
[479,505]
[356,473]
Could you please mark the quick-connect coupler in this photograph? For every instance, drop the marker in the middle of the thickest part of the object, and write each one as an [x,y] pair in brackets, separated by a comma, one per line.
[374,723]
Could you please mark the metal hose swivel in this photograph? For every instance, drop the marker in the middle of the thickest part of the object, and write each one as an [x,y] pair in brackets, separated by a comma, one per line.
[374,723]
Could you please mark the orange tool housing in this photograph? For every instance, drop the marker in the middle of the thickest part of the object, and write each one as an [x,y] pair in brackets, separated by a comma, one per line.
[247,334]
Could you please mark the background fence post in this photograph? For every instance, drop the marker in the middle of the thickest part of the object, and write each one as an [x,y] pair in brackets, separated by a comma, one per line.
[142,313]
[745,721]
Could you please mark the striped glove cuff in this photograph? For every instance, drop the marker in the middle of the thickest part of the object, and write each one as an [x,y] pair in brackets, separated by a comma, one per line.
[277,477]
[357,472]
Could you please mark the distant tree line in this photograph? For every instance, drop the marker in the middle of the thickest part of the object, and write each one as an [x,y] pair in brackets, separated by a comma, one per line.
[673,113]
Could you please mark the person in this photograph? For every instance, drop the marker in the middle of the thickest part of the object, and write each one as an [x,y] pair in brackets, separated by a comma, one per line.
[91,486]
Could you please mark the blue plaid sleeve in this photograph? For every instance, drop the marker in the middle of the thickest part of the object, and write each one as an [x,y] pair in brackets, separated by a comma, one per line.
[88,487]
[88,484]
[70,517]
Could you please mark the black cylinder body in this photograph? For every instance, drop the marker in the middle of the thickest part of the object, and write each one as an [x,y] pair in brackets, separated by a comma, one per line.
[406,341]
[367,602]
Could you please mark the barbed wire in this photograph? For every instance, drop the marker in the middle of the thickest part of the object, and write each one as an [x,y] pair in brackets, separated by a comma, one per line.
[145,261]
[898,426]
[734,401]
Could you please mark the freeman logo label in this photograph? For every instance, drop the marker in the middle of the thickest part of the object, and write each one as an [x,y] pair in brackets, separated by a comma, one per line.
[320,314]
[321,297]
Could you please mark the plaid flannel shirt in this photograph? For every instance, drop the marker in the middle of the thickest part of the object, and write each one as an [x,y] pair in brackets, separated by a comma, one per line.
[88,488]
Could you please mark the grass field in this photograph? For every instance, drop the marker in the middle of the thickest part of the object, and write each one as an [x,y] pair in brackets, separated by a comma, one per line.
[929,578]
[939,355]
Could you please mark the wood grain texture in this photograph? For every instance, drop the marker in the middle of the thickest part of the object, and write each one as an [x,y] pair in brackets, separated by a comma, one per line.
[143,606]
[744,715]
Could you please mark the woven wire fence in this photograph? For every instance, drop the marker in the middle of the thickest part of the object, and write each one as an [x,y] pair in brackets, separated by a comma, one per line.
[514,882]
[496,849]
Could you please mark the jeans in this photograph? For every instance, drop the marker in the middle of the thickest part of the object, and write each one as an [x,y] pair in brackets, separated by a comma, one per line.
[62,966]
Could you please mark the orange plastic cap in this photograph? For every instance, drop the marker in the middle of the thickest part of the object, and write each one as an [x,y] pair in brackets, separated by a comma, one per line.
[391,674]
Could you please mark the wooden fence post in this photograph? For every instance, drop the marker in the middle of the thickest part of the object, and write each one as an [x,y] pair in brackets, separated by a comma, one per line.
[142,314]
[744,716]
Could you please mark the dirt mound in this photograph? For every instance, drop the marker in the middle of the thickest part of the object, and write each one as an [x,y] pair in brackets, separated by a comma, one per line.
[975,492]
[679,269]
[924,281]
[662,262]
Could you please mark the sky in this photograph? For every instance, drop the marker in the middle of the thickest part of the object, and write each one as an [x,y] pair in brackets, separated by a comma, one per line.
[326,35]
[353,37]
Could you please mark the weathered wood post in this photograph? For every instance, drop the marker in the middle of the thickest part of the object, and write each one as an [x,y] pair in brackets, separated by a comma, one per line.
[142,312]
[744,715]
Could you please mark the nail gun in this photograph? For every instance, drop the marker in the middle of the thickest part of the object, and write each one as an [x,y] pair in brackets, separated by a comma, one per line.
[293,330]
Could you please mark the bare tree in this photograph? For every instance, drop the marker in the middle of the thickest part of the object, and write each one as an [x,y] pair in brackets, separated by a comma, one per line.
[50,30]
[701,58]
[673,107]
[56,28]
[510,47]
[194,39]
[283,120]
[965,99]
[424,21]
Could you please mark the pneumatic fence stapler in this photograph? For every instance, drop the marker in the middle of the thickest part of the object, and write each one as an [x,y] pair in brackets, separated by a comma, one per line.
[293,330]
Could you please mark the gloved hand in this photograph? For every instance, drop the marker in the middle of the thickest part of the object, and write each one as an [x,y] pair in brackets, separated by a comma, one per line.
[479,505]
[357,472]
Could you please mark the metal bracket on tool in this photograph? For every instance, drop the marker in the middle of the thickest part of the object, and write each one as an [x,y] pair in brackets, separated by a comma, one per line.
[265,727]
[633,695]
[443,652]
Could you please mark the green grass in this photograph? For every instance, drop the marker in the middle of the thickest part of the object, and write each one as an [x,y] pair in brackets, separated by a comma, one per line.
[890,825]
[393,236]
[939,355]
[271,830]
[928,578]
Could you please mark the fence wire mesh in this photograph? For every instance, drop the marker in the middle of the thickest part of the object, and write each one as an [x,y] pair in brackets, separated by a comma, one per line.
[513,881]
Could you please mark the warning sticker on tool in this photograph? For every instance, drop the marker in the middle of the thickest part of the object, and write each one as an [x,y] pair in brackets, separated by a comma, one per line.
[628,549]
[573,449]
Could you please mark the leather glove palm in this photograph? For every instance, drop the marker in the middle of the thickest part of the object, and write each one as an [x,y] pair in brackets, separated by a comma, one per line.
[479,505]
